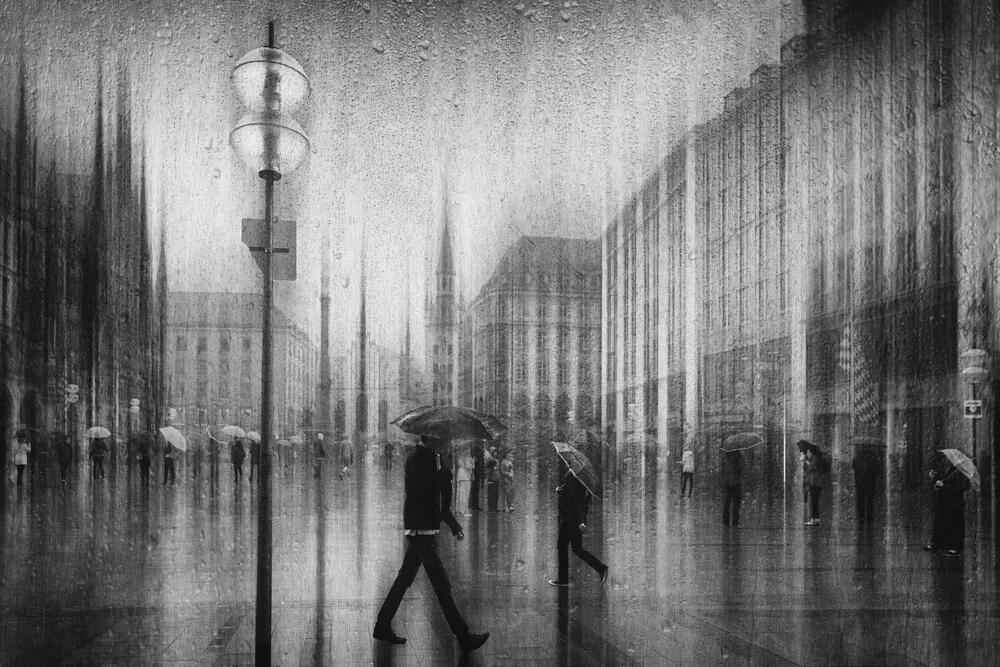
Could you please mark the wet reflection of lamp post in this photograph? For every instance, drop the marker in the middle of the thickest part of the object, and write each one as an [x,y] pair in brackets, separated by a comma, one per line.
[271,84]
[974,371]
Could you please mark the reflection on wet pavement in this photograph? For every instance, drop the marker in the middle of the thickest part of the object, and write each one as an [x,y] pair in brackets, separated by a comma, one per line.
[108,572]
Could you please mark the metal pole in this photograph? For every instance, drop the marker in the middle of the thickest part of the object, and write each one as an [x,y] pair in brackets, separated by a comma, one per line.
[262,633]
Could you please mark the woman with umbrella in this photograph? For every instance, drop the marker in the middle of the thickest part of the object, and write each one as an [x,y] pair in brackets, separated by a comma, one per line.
[952,473]
[816,473]
[573,503]
[98,448]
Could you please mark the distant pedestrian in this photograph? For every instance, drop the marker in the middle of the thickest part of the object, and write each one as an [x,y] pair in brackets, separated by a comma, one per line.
[815,476]
[573,504]
[463,480]
[869,469]
[254,457]
[687,472]
[145,460]
[478,475]
[65,456]
[213,458]
[346,457]
[949,486]
[507,483]
[197,454]
[427,503]
[237,454]
[388,450]
[732,482]
[98,450]
[492,480]
[22,447]
[318,455]
[169,471]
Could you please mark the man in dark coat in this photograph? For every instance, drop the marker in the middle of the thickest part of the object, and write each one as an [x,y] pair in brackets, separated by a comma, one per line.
[573,503]
[868,470]
[427,503]
[478,474]
[254,457]
[732,481]
[948,530]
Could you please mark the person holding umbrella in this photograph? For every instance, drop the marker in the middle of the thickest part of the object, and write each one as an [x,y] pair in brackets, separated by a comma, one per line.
[254,457]
[98,450]
[868,468]
[952,474]
[427,504]
[732,473]
[65,456]
[236,455]
[816,473]
[573,503]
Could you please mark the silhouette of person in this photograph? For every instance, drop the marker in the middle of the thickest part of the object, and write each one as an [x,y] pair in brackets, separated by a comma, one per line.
[427,503]
[574,501]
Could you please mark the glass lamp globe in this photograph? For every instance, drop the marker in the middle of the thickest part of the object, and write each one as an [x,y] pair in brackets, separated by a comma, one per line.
[268,79]
[269,142]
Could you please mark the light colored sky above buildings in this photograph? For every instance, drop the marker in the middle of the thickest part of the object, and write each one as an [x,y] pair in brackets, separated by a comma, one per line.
[536,117]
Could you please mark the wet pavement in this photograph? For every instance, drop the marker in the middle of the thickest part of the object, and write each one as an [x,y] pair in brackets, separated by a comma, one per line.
[105,572]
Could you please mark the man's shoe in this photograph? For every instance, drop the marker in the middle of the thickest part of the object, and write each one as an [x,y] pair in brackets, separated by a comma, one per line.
[387,635]
[472,641]
[558,582]
[604,575]
[930,547]
[952,552]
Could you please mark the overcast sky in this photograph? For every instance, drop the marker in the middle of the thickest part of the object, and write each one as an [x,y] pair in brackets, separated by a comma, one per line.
[535,117]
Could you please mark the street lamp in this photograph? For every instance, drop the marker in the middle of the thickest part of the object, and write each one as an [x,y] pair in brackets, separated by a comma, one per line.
[271,84]
[974,365]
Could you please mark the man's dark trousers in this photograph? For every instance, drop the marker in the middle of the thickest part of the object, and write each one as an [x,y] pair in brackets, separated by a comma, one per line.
[422,550]
[865,495]
[732,502]
[571,535]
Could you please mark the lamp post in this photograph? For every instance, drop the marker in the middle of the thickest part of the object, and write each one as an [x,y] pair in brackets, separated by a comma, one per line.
[974,364]
[271,84]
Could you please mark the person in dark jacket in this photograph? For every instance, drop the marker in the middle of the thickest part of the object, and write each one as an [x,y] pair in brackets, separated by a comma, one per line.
[237,454]
[815,477]
[732,482]
[254,457]
[145,455]
[478,474]
[98,450]
[868,470]
[427,503]
[492,480]
[949,485]
[65,455]
[573,503]
[318,455]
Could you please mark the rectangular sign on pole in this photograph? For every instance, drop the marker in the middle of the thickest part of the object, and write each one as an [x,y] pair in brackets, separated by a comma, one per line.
[283,240]
[974,409]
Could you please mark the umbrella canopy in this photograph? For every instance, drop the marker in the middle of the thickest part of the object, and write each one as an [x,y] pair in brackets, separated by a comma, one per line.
[295,440]
[233,432]
[174,437]
[964,465]
[579,465]
[450,422]
[253,435]
[741,441]
[216,434]
[97,432]
[283,443]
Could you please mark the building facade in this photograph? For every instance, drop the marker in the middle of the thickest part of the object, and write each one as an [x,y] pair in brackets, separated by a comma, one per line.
[535,338]
[213,365]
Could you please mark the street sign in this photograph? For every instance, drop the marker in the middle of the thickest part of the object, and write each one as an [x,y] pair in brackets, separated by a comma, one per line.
[974,409]
[134,409]
[72,393]
[134,402]
[283,240]
[72,398]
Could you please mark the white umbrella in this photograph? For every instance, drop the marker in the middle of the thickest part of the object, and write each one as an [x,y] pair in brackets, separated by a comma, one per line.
[174,437]
[234,431]
[253,435]
[97,432]
[296,440]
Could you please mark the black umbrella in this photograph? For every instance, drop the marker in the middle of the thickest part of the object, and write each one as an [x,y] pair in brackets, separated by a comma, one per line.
[450,422]
[579,465]
[741,441]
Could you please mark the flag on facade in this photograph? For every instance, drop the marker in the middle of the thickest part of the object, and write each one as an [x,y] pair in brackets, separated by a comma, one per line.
[863,388]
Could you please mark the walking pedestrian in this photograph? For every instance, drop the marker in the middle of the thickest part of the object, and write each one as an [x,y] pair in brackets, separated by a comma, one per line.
[388,450]
[168,464]
[463,482]
[687,472]
[346,457]
[197,453]
[732,481]
[492,480]
[22,447]
[507,483]
[254,457]
[816,471]
[949,486]
[236,455]
[145,461]
[478,474]
[427,504]
[98,450]
[868,470]
[318,455]
[573,504]
[65,456]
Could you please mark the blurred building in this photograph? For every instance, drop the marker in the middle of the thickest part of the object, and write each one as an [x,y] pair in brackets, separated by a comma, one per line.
[535,337]
[447,340]
[813,261]
[213,364]
[80,295]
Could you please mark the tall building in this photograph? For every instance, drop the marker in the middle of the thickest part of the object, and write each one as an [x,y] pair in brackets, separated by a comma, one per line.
[213,364]
[443,327]
[535,347]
